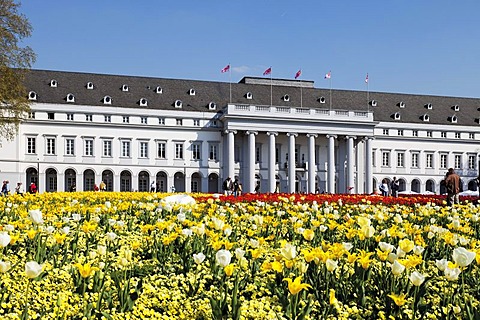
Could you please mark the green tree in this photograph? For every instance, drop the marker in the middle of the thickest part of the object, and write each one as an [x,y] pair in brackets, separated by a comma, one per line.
[15,61]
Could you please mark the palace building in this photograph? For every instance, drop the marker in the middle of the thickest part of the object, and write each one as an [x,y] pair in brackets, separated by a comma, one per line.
[189,135]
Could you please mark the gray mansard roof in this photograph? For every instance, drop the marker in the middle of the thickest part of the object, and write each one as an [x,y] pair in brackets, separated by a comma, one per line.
[301,93]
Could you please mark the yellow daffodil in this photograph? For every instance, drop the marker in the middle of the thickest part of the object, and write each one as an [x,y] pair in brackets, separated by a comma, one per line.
[86,270]
[398,299]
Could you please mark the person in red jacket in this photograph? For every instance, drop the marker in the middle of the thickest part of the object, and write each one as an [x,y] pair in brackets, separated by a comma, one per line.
[32,188]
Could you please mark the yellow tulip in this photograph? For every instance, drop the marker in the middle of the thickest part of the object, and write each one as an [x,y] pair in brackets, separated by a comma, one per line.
[296,285]
[229,269]
[398,299]
[86,270]
[406,245]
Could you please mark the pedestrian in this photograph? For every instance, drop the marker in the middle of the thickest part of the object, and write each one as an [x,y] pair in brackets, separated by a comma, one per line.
[95,187]
[257,187]
[19,188]
[73,187]
[152,186]
[235,186]
[103,186]
[32,188]
[394,186]
[452,184]
[384,187]
[5,188]
[227,186]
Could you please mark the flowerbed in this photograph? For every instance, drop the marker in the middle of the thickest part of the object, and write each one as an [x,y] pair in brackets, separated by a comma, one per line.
[136,256]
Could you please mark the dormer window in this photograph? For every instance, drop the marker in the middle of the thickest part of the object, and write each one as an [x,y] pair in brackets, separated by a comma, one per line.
[53,83]
[212,106]
[107,100]
[158,89]
[401,104]
[143,102]
[249,96]
[178,104]
[373,103]
[425,118]
[453,119]
[286,98]
[396,116]
[322,100]
[456,108]
[90,85]
[429,106]
[32,95]
[70,98]
[125,88]
[191,92]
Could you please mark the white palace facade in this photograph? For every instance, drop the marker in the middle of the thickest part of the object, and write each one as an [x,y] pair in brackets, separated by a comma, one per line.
[189,135]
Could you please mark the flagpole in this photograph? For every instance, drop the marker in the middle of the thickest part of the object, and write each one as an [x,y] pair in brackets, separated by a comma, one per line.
[230,80]
[271,89]
[330,80]
[368,91]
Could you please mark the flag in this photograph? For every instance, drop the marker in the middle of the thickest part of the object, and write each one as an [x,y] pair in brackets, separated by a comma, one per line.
[366,78]
[299,72]
[226,69]
[268,71]
[328,75]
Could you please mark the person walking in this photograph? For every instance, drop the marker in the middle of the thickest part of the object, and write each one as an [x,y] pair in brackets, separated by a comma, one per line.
[452,184]
[384,187]
[153,186]
[257,187]
[19,188]
[227,186]
[5,188]
[394,186]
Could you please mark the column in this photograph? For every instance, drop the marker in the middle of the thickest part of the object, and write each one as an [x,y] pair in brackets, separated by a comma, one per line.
[291,162]
[311,163]
[350,165]
[251,162]
[331,164]
[271,161]
[368,165]
[230,172]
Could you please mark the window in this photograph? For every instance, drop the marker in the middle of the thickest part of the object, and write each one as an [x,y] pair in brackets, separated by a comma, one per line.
[88,117]
[51,116]
[258,153]
[125,148]
[401,159]
[161,148]
[385,132]
[179,122]
[443,134]
[31,115]
[70,147]
[161,121]
[415,157]
[88,147]
[429,160]
[400,132]
[471,136]
[126,119]
[50,149]
[70,116]
[107,118]
[471,162]
[277,154]
[374,162]
[385,158]
[457,135]
[429,134]
[178,150]
[143,149]
[107,148]
[415,133]
[143,120]
[443,161]
[458,161]
[213,152]
[196,122]
[31,145]
[196,151]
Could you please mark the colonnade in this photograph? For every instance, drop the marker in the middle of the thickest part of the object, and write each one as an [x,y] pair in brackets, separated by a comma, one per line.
[249,184]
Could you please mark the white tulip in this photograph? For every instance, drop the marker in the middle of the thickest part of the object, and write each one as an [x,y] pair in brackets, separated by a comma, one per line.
[397,268]
[417,278]
[4,239]
[223,257]
[289,251]
[36,216]
[331,264]
[33,269]
[239,253]
[463,257]
[441,264]
[198,258]
[111,236]
[5,266]
[451,274]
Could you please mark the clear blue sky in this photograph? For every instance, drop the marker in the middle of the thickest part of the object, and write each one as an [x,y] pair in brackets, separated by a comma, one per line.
[409,46]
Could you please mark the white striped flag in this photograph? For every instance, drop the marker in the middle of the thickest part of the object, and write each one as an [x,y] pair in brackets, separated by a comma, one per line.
[328,75]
